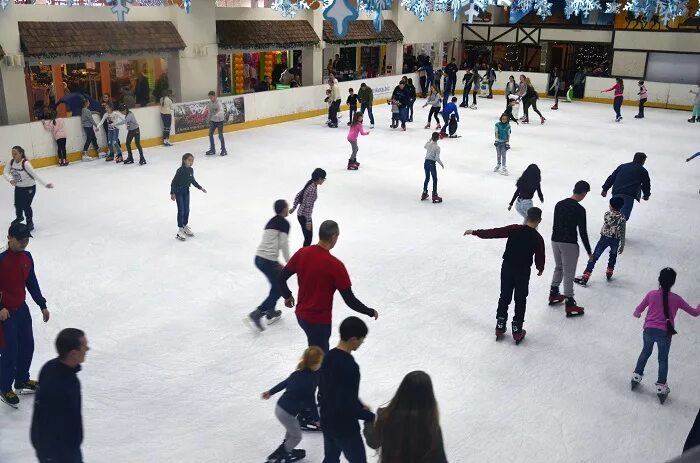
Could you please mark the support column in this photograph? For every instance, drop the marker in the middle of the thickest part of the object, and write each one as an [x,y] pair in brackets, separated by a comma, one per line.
[105,79]
[312,57]
[57,74]
[394,58]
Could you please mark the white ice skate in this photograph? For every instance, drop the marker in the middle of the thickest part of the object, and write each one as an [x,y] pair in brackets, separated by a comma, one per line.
[636,379]
[497,168]
[473,107]
[181,235]
[503,171]
[188,231]
[662,392]
[167,142]
[86,157]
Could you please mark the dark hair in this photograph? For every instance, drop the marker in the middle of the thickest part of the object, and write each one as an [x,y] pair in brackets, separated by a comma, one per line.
[409,429]
[534,214]
[350,90]
[316,175]
[123,107]
[211,93]
[581,187]
[85,103]
[641,82]
[186,156]
[620,81]
[435,136]
[639,157]
[454,99]
[353,327]
[20,150]
[616,203]
[530,178]
[667,278]
[68,340]
[363,84]
[279,206]
[327,229]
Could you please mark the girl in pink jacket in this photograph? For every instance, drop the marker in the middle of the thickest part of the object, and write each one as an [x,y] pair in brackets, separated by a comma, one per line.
[659,327]
[353,134]
[58,131]
[619,88]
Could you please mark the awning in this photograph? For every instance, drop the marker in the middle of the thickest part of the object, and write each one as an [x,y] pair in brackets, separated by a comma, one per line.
[51,39]
[261,35]
[363,32]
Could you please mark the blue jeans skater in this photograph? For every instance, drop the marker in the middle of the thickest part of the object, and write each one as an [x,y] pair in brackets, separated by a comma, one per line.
[218,126]
[271,269]
[16,357]
[663,341]
[182,198]
[603,243]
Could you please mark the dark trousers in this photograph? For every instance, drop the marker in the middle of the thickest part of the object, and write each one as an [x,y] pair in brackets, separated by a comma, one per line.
[490,88]
[434,111]
[531,102]
[134,135]
[430,168]
[61,145]
[308,234]
[218,126]
[474,92]
[368,108]
[23,203]
[662,339]
[422,81]
[61,459]
[603,243]
[627,207]
[316,335]
[350,445]
[410,110]
[17,355]
[641,106]
[182,198]
[514,285]
[333,113]
[617,105]
[465,97]
[693,439]
[403,115]
[271,269]
[353,110]
[167,121]
[90,139]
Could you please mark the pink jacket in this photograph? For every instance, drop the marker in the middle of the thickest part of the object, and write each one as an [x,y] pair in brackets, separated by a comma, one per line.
[655,316]
[355,131]
[618,89]
[58,131]
[642,92]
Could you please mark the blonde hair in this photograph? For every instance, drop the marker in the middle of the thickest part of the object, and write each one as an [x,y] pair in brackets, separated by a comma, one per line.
[312,357]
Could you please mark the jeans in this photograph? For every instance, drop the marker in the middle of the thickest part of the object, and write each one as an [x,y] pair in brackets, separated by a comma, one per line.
[61,145]
[90,138]
[182,198]
[501,153]
[434,111]
[355,149]
[333,112]
[522,206]
[218,126]
[308,234]
[617,105]
[410,110]
[17,355]
[663,342]
[167,121]
[403,115]
[350,445]
[565,259]
[465,97]
[604,243]
[316,335]
[627,207]
[641,106]
[271,269]
[292,436]
[353,110]
[514,282]
[113,141]
[134,135]
[556,96]
[430,168]
[23,203]
[368,107]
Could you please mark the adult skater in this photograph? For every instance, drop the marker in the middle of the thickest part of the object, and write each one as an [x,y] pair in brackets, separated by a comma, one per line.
[525,188]
[275,240]
[133,134]
[467,81]
[57,422]
[215,119]
[619,89]
[435,102]
[511,90]
[180,193]
[568,216]
[530,99]
[491,76]
[366,97]
[340,405]
[451,72]
[16,274]
[305,200]
[401,95]
[659,327]
[166,115]
[524,242]
[89,125]
[643,95]
[334,99]
[629,181]
[476,84]
[432,157]
[412,98]
[20,174]
[320,274]
[555,87]
[448,114]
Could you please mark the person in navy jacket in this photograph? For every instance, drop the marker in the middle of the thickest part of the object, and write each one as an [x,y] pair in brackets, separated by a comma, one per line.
[447,113]
[16,336]
[629,181]
[57,422]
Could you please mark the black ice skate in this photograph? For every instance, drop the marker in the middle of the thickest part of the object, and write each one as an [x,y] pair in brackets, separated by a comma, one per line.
[609,273]
[352,165]
[128,160]
[500,328]
[636,379]
[118,159]
[572,309]
[306,421]
[223,153]
[555,297]
[28,387]
[279,451]
[662,392]
[253,320]
[142,161]
[294,455]
[210,153]
[273,316]
[436,198]
[424,196]
[10,398]
[518,332]
[583,279]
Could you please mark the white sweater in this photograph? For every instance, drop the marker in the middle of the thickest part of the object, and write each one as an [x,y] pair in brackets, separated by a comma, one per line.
[23,174]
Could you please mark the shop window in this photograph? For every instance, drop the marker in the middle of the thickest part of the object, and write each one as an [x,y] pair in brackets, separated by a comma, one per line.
[370,61]
[258,71]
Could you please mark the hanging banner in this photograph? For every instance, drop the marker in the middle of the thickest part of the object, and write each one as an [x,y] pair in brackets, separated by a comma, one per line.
[193,116]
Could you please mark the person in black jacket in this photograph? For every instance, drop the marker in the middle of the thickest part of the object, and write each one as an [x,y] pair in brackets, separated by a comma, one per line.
[142,91]
[629,181]
[57,423]
[693,439]
[412,98]
[180,193]
[401,95]
[451,71]
[340,405]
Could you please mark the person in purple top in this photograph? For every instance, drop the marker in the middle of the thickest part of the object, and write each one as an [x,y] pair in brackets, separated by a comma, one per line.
[659,327]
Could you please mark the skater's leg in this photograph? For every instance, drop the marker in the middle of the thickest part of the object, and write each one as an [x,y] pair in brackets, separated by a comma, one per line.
[186,206]
[292,436]
[663,342]
[614,246]
[89,135]
[501,154]
[180,200]
[8,359]
[433,172]
[20,195]
[316,335]
[25,344]
[521,279]
[61,145]
[474,97]
[212,127]
[507,287]
[446,123]
[129,139]
[426,168]
[534,108]
[308,234]
[626,210]
[29,197]
[369,113]
[353,447]
[137,140]
[617,104]
[166,120]
[331,449]
[558,274]
[220,129]
[569,259]
[353,144]
[271,270]
[600,248]
[647,348]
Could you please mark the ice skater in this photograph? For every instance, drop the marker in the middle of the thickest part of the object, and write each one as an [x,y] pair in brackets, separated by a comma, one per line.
[502,134]
[57,128]
[352,104]
[432,157]
[530,100]
[366,97]
[394,112]
[696,105]
[133,134]
[111,118]
[166,115]
[524,242]
[642,99]
[20,174]
[467,80]
[511,91]
[619,89]
[412,98]
[512,107]
[612,236]
[89,125]
[568,216]
[215,120]
[299,389]
[555,88]
[435,102]
[629,181]
[356,129]
[476,84]
[525,188]
[180,193]
[450,116]
[659,327]
[305,200]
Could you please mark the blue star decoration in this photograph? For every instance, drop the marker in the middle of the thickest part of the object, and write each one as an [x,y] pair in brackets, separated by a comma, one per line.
[188,6]
[4,3]
[120,8]
[340,13]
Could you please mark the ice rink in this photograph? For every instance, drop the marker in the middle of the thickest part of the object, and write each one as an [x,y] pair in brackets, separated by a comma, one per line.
[174,375]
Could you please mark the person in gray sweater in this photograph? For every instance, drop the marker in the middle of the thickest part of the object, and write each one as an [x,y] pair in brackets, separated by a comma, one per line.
[89,126]
[133,134]
[432,157]
[215,117]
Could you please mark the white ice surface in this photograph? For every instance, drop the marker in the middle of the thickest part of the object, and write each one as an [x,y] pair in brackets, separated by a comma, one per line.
[175,376]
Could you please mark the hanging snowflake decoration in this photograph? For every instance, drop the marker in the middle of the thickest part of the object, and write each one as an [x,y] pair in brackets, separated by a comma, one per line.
[639,8]
[441,6]
[582,7]
[543,8]
[375,7]
[147,2]
[4,4]
[612,7]
[285,7]
[120,8]
[420,8]
[670,10]
[523,5]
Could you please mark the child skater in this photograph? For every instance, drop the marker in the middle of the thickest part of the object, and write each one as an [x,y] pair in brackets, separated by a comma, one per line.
[432,157]
[58,130]
[696,105]
[659,328]
[180,193]
[524,242]
[619,89]
[352,102]
[612,236]
[355,130]
[329,103]
[299,389]
[449,113]
[395,113]
[525,188]
[133,133]
[112,118]
[642,99]
[435,102]
[512,104]
[502,133]
[21,176]
[305,200]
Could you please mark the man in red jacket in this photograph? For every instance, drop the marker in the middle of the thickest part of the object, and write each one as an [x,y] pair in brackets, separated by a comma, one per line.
[16,274]
[320,275]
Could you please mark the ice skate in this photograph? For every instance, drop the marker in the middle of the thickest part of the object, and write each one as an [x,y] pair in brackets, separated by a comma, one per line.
[10,398]
[253,320]
[636,379]
[28,387]
[142,161]
[403,127]
[555,297]
[109,158]
[503,171]
[609,273]
[473,107]
[279,451]
[438,127]
[181,234]
[223,153]
[555,107]
[306,421]
[30,225]
[497,168]
[583,279]
[427,126]
[518,332]
[128,160]
[210,153]
[692,120]
[188,231]
[525,121]
[436,198]
[573,309]
[371,126]
[352,165]
[424,196]
[294,455]
[102,155]
[500,328]
[85,157]
[166,142]
[118,159]
[542,119]
[273,316]
[618,118]
[639,116]
[662,392]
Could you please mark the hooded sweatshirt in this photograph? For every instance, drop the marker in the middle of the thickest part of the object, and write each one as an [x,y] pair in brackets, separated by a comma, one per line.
[614,225]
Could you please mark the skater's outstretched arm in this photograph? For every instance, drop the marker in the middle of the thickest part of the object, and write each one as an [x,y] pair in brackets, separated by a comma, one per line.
[491,233]
[693,157]
[684,306]
[355,304]
[642,306]
[610,181]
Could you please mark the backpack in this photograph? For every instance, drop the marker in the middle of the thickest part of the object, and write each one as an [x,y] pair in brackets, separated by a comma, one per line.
[23,161]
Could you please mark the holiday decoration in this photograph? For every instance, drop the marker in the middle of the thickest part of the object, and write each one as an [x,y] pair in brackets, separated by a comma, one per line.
[583,7]
[376,7]
[543,8]
[286,8]
[612,8]
[340,13]
[4,3]
[420,8]
[523,5]
[670,10]
[121,9]
[187,4]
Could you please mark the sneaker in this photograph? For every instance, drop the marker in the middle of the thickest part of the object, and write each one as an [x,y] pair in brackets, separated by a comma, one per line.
[497,168]
[86,157]
[28,387]
[10,398]
[504,171]
[187,230]
[253,320]
[273,316]
[181,234]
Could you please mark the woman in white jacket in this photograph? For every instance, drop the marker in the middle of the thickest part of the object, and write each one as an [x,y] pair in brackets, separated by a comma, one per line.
[20,174]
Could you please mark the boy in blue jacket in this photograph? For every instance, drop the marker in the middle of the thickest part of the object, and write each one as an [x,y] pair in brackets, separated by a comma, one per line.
[448,114]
